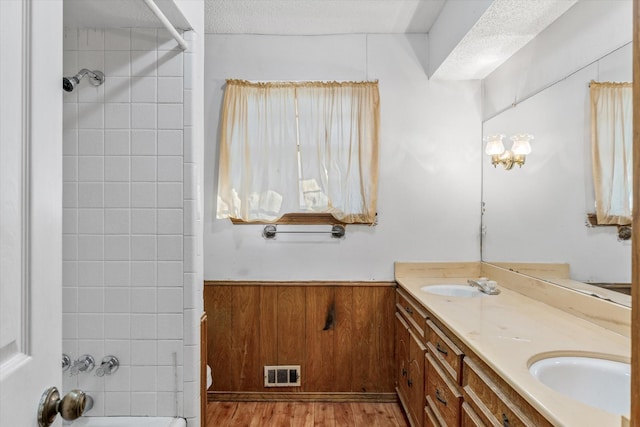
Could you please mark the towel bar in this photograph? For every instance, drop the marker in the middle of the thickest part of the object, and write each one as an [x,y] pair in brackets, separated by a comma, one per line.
[270,231]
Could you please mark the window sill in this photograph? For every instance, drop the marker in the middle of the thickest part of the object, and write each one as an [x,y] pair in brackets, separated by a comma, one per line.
[624,231]
[297,219]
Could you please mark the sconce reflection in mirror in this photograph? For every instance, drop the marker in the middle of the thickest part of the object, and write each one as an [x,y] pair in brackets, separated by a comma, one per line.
[507,158]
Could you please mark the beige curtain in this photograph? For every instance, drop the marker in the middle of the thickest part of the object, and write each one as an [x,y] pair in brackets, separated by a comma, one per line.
[299,147]
[612,145]
[339,149]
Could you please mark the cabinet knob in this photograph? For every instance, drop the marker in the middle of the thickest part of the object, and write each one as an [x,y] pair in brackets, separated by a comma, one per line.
[505,421]
[440,398]
[408,310]
[404,372]
[409,383]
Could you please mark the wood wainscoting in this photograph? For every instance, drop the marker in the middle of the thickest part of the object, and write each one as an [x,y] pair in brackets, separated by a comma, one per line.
[203,370]
[341,335]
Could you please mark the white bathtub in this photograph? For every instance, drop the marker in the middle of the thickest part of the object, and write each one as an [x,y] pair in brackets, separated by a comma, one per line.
[127,421]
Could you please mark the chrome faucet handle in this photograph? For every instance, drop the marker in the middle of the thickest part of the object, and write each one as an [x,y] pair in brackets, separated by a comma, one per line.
[108,366]
[66,362]
[84,363]
[489,287]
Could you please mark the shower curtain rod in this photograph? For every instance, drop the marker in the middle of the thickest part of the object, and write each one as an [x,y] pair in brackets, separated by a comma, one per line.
[161,16]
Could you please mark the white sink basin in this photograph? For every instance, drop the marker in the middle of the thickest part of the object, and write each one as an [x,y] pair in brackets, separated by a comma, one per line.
[450,290]
[601,383]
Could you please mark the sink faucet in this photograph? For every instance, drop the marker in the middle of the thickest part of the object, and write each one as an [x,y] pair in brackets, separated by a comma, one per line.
[489,287]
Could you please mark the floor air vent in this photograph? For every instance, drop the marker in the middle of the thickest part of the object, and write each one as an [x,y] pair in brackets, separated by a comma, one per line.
[282,376]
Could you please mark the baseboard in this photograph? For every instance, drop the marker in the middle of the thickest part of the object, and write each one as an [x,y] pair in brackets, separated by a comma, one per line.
[213,396]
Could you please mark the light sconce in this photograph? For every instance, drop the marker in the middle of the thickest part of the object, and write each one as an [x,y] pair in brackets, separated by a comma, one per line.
[507,158]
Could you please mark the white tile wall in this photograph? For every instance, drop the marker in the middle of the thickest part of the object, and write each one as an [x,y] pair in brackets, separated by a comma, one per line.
[125,286]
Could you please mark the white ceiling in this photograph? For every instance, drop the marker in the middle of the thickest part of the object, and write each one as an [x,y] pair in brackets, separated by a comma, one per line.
[312,17]
[119,14]
[474,47]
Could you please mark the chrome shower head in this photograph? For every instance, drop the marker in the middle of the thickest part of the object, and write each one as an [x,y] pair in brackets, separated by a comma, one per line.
[96,78]
[69,83]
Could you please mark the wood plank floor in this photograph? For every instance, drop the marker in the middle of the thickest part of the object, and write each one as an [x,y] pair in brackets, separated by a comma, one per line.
[303,414]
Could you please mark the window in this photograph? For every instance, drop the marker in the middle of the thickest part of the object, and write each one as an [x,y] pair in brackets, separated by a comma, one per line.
[309,147]
[612,145]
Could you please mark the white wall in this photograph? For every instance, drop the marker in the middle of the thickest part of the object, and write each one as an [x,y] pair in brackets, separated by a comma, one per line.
[537,213]
[130,270]
[429,192]
[193,10]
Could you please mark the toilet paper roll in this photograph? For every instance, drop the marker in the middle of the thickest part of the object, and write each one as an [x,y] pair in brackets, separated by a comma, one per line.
[209,377]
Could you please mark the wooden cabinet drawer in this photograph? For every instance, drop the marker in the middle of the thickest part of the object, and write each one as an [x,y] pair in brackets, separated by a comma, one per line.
[430,419]
[442,395]
[493,405]
[413,313]
[469,417]
[445,351]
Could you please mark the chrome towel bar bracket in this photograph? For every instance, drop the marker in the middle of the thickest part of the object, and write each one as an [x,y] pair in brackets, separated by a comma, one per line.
[337,231]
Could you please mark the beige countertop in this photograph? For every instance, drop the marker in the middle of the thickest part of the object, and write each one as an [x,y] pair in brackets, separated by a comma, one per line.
[509,331]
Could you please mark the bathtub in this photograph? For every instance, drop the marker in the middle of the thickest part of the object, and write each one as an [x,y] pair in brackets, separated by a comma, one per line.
[127,421]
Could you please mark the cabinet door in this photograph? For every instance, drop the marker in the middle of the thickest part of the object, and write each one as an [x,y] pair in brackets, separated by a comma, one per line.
[416,378]
[402,358]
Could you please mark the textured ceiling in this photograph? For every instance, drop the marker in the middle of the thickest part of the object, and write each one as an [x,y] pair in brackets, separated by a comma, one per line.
[279,17]
[311,17]
[505,27]
[119,14]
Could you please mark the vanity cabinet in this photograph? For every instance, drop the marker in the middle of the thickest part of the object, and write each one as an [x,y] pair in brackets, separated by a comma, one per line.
[457,388]
[410,356]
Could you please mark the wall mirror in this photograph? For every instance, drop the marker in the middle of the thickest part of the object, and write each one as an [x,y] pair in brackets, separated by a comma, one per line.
[537,213]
